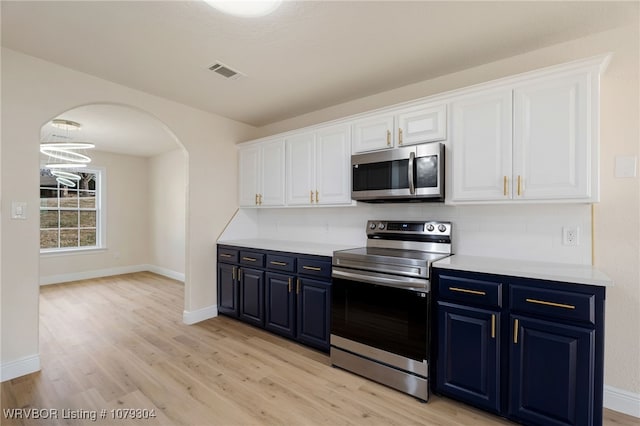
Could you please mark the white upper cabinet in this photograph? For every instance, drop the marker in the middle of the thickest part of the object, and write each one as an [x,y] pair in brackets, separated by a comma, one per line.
[535,139]
[333,165]
[421,124]
[261,174]
[553,140]
[481,146]
[318,166]
[410,126]
[373,133]
[300,169]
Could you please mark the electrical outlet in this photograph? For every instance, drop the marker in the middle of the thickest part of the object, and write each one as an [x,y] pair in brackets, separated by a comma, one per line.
[570,235]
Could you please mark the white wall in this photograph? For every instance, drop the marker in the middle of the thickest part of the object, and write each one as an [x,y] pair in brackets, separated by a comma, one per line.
[126,214]
[34,92]
[167,196]
[617,216]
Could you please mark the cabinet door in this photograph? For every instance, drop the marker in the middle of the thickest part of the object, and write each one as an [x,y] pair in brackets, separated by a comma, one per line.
[552,372]
[371,134]
[313,304]
[553,140]
[250,162]
[300,169]
[227,289]
[252,296]
[481,143]
[468,365]
[333,165]
[272,177]
[420,125]
[280,314]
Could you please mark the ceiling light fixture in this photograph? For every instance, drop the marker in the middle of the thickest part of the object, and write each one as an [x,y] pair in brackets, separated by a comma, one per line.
[65,152]
[245,8]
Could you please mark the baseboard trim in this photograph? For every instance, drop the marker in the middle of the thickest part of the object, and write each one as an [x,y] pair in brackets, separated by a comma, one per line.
[99,273]
[20,367]
[178,276]
[192,317]
[622,401]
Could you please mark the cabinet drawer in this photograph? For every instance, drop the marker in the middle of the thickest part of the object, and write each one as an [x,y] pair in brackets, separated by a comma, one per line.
[227,255]
[553,303]
[252,258]
[281,263]
[467,290]
[314,267]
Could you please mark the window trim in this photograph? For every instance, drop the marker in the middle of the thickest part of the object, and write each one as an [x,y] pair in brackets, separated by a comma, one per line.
[101,218]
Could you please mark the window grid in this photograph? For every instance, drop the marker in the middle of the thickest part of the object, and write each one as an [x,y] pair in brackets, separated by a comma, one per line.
[85,225]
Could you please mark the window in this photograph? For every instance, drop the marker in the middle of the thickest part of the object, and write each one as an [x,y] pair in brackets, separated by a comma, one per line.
[70,217]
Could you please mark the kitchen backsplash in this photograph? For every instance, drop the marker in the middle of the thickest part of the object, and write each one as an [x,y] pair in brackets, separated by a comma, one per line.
[532,232]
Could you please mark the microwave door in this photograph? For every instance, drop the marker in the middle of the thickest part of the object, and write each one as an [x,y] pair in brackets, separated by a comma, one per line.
[376,177]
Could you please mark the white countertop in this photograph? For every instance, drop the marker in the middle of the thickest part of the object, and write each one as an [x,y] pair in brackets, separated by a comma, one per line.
[321,249]
[563,272]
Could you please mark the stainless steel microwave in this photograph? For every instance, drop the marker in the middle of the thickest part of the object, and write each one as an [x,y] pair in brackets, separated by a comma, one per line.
[414,173]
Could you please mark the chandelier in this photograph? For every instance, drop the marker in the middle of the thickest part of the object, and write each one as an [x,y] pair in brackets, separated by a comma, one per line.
[62,151]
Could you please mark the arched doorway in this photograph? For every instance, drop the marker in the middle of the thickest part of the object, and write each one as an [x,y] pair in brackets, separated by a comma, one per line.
[139,218]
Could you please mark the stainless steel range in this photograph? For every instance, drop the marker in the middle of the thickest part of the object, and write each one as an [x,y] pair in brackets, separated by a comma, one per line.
[380,303]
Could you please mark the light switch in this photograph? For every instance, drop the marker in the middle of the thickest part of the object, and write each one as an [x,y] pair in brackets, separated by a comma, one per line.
[626,167]
[18,210]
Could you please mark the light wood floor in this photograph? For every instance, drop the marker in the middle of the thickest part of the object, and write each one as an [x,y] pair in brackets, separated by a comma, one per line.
[119,342]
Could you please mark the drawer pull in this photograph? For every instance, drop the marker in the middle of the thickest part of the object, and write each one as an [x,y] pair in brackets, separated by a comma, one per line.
[273,262]
[311,268]
[515,332]
[464,290]
[557,305]
[249,259]
[493,326]
[225,255]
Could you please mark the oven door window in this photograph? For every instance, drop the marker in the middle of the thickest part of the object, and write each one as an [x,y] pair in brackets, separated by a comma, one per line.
[381,176]
[387,318]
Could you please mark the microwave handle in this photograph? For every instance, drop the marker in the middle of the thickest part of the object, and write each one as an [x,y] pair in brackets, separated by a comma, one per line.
[412,186]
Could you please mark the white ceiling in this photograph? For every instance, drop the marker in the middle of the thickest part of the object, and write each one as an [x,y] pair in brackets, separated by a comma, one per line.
[306,56]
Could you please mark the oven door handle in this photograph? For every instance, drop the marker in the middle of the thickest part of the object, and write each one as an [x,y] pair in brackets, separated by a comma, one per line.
[406,283]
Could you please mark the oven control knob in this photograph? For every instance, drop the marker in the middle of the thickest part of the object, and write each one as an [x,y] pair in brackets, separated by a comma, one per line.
[381,225]
[442,228]
[372,226]
[430,227]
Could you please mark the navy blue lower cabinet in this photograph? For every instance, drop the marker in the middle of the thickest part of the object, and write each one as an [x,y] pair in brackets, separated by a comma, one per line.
[313,312]
[552,372]
[468,355]
[227,289]
[280,312]
[252,296]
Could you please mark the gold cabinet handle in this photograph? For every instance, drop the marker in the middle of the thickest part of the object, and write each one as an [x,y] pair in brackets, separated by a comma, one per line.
[233,273]
[298,286]
[464,290]
[289,281]
[249,259]
[519,185]
[388,137]
[311,268]
[259,199]
[505,184]
[256,199]
[544,302]
[515,331]
[273,262]
[317,197]
[311,196]
[400,136]
[493,326]
[225,255]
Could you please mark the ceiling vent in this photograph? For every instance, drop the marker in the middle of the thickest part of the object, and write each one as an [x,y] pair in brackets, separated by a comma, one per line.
[225,71]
